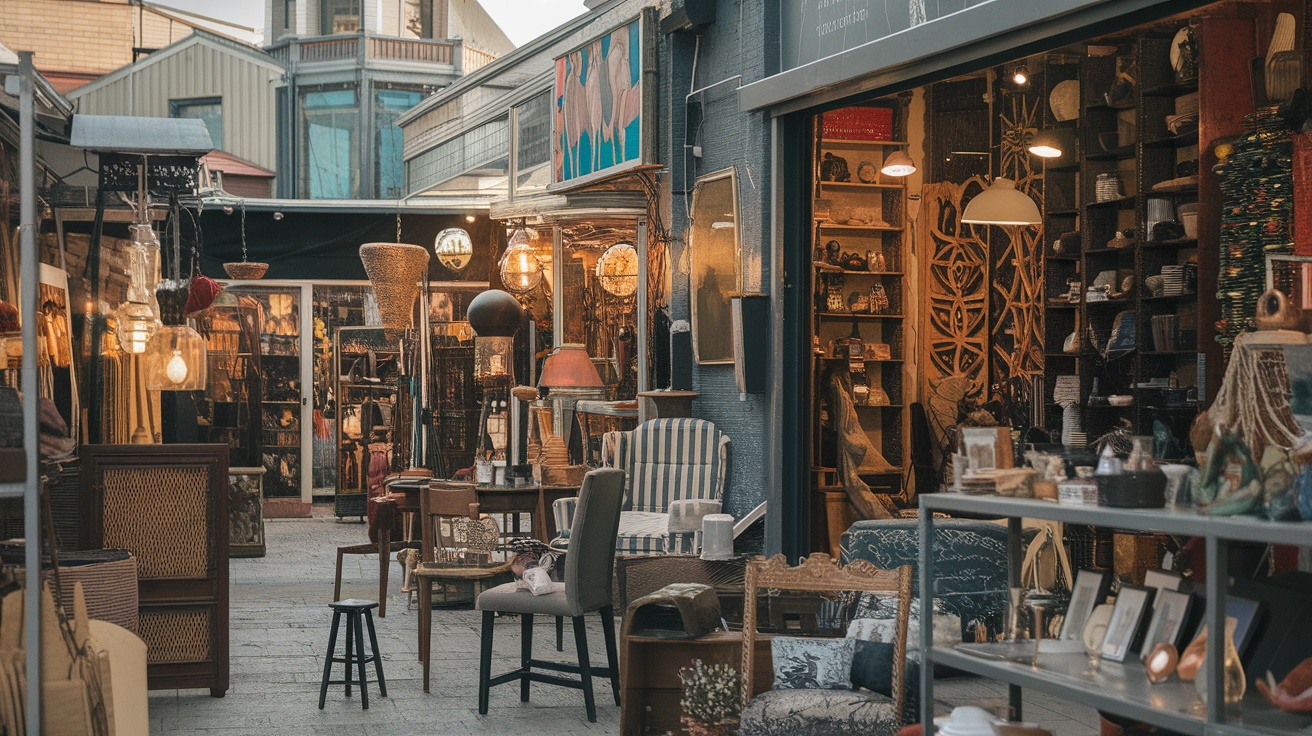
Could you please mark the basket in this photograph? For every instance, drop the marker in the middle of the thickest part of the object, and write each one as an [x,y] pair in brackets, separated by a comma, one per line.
[563,475]
[395,270]
[245,270]
[1134,490]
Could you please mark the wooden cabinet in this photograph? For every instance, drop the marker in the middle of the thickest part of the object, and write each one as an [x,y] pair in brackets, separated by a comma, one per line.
[168,505]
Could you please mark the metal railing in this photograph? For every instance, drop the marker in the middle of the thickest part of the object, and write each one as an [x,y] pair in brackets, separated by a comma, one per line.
[362,47]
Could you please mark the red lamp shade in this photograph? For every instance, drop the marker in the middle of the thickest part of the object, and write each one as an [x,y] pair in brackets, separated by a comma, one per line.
[569,366]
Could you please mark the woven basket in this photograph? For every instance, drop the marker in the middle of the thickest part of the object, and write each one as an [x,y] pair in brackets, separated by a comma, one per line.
[395,269]
[245,270]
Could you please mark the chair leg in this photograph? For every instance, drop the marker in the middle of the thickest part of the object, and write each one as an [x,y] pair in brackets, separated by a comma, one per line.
[425,625]
[328,661]
[384,558]
[585,668]
[485,662]
[359,660]
[337,580]
[378,656]
[560,633]
[350,644]
[608,630]
[525,653]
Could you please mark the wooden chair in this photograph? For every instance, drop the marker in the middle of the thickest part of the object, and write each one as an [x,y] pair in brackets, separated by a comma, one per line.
[385,546]
[450,520]
[821,574]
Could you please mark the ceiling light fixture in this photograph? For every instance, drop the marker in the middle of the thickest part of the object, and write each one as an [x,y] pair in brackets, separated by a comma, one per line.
[898,164]
[1046,144]
[1002,204]
[1021,75]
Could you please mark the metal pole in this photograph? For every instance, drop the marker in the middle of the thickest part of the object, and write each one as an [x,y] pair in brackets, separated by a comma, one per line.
[27,268]
[926,585]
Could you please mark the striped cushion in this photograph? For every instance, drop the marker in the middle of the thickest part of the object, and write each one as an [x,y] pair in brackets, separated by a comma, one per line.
[642,533]
[665,460]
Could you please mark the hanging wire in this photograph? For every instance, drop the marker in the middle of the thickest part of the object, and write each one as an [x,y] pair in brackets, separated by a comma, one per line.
[243,231]
[398,226]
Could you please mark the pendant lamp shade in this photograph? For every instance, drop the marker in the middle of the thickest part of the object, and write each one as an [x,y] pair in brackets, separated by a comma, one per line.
[395,270]
[1002,204]
[495,313]
[898,163]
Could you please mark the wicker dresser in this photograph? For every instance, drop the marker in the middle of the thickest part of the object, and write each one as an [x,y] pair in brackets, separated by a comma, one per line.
[168,505]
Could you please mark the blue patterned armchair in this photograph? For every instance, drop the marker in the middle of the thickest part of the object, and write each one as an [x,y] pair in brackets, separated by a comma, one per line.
[675,472]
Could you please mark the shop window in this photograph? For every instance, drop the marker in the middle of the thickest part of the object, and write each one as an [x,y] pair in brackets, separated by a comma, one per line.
[597,313]
[388,164]
[330,132]
[206,109]
[533,144]
[284,11]
[339,16]
[476,162]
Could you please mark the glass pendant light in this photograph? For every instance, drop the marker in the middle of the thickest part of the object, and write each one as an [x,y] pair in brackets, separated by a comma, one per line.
[520,269]
[138,317]
[175,358]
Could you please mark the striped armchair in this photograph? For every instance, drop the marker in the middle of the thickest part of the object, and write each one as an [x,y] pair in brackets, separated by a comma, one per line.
[675,472]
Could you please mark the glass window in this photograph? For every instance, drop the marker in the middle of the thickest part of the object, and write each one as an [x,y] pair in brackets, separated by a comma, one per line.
[389,166]
[330,133]
[339,16]
[208,109]
[533,144]
[475,163]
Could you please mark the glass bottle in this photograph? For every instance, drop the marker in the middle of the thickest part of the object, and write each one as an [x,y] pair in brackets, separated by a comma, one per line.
[1141,454]
[1232,670]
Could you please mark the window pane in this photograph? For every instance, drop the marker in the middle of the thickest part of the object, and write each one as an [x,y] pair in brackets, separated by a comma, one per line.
[330,127]
[389,104]
[339,16]
[476,162]
[209,110]
[533,120]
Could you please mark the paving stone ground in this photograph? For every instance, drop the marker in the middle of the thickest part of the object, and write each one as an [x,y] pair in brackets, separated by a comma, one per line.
[279,629]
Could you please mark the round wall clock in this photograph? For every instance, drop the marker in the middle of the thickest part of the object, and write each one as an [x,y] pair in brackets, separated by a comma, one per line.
[617,269]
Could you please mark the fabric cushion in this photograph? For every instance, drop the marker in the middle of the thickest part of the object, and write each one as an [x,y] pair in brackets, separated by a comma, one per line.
[671,459]
[642,532]
[811,663]
[819,713]
[507,598]
[876,620]
[872,667]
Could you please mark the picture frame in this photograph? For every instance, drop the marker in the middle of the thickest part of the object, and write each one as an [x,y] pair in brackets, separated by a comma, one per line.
[1090,589]
[986,448]
[715,265]
[1162,580]
[1245,613]
[1171,610]
[1132,603]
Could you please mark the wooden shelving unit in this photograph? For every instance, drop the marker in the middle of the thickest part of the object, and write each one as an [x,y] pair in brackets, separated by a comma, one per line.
[877,225]
[351,348]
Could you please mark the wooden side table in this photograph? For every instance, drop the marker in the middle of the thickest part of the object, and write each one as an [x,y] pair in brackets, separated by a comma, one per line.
[246,512]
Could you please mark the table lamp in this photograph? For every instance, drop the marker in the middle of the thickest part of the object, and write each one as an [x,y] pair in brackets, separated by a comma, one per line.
[569,377]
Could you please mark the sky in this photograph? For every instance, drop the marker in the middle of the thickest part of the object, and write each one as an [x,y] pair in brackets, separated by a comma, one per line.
[522,20]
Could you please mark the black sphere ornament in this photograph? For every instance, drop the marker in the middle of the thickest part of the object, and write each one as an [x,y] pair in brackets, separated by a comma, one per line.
[495,313]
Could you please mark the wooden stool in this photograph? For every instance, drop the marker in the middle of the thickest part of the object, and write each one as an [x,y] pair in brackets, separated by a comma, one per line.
[355,610]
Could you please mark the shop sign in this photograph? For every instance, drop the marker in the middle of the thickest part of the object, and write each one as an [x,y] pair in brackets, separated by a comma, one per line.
[598,105]
[814,29]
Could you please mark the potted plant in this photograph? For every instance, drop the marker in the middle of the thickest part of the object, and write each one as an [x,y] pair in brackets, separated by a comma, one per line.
[710,699]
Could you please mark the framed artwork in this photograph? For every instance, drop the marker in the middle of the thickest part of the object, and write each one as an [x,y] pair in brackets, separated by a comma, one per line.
[987,448]
[1132,604]
[1162,580]
[597,103]
[1167,624]
[715,258]
[1090,589]
[1245,613]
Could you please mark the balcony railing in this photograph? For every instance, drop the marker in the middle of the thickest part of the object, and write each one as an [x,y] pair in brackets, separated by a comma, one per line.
[362,48]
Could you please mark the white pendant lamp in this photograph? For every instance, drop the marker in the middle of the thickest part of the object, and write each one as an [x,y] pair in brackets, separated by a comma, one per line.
[898,163]
[1002,204]
[1046,144]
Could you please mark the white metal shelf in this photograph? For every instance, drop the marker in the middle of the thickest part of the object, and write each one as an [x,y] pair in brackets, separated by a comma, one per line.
[11,490]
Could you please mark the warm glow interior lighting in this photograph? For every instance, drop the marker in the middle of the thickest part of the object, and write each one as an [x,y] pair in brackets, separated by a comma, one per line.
[899,164]
[177,368]
[1021,76]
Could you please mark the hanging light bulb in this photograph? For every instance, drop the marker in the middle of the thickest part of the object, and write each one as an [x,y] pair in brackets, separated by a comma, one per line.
[520,269]
[175,357]
[177,368]
[138,317]
[1021,75]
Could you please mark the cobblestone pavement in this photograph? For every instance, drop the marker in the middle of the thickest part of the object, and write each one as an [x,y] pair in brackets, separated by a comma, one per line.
[279,629]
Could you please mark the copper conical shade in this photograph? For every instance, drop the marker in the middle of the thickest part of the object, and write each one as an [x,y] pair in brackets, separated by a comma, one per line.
[395,269]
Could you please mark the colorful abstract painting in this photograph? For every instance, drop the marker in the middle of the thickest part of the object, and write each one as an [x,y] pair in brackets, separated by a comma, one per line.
[598,105]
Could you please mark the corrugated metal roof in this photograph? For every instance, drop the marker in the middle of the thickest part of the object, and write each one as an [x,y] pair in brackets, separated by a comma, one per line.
[124,134]
[232,165]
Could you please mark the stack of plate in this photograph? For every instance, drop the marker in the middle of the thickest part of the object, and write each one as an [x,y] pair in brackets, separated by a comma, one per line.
[1108,187]
[1066,391]
[1072,428]
[1172,280]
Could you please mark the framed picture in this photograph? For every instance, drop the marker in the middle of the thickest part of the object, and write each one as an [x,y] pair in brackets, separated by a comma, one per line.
[715,262]
[1170,612]
[598,102]
[1162,580]
[1090,589]
[1245,613]
[987,448]
[1132,603]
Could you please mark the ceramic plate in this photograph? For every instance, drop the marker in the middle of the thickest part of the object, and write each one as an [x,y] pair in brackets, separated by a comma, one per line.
[867,173]
[1180,37]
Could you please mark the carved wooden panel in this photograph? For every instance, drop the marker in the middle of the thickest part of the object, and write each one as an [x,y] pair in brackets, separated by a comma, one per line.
[1016,288]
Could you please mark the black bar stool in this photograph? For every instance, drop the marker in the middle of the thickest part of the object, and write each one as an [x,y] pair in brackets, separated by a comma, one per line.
[355,610]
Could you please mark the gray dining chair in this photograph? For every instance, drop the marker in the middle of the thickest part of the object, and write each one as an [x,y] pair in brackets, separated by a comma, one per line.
[589,565]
